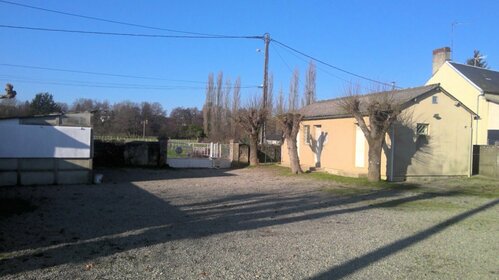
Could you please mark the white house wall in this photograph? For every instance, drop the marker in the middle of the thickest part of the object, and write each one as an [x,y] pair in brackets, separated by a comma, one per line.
[493,116]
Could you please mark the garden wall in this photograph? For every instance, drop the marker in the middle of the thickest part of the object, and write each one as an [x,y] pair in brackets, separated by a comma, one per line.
[488,161]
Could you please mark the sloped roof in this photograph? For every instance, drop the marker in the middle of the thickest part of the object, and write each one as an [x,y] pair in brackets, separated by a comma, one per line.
[332,108]
[485,79]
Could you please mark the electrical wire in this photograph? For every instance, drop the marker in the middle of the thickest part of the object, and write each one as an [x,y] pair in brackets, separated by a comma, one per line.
[282,59]
[318,67]
[97,73]
[107,20]
[332,66]
[323,70]
[92,84]
[192,35]
[126,34]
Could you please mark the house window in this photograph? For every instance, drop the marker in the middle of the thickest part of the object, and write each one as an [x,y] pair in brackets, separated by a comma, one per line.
[434,99]
[306,134]
[422,129]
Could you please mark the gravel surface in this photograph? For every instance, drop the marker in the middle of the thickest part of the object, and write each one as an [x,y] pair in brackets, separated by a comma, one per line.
[243,224]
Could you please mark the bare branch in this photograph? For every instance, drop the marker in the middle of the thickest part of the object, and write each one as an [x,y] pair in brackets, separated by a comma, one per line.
[293,97]
[382,110]
[309,92]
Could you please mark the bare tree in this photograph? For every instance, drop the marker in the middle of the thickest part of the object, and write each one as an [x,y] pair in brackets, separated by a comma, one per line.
[280,105]
[218,113]
[208,105]
[251,119]
[225,122]
[270,93]
[236,100]
[309,92]
[126,119]
[14,108]
[382,111]
[216,132]
[293,99]
[290,124]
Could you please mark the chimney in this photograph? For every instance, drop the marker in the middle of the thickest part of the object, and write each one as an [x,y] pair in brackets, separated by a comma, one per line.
[440,56]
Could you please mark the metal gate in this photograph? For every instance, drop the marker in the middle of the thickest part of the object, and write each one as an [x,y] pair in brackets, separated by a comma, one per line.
[189,154]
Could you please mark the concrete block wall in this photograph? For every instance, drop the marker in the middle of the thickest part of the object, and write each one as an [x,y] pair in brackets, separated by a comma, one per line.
[44,171]
[489,161]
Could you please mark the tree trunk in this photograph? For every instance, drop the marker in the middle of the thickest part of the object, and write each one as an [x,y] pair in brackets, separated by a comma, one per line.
[253,156]
[294,160]
[374,169]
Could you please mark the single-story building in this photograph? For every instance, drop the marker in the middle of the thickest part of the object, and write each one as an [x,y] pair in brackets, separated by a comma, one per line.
[433,137]
[43,150]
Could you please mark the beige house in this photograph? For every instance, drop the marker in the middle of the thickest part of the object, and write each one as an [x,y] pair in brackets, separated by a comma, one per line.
[476,88]
[433,138]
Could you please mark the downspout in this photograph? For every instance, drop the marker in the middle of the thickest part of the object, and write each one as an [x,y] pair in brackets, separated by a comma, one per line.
[470,171]
[392,152]
[477,116]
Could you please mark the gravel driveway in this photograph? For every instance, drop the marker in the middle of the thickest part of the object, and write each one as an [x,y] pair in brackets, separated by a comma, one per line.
[244,224]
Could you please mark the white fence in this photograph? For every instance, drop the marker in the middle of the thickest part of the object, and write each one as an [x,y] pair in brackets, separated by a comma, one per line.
[187,154]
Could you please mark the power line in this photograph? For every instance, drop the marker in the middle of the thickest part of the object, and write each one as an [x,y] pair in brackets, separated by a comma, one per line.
[97,73]
[127,34]
[322,69]
[111,84]
[107,20]
[282,59]
[332,66]
[318,67]
[92,84]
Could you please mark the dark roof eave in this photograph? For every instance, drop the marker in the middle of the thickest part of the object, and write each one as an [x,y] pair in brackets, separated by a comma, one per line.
[324,117]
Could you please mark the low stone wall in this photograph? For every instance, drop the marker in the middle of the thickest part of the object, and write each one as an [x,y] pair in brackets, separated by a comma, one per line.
[141,154]
[44,171]
[488,161]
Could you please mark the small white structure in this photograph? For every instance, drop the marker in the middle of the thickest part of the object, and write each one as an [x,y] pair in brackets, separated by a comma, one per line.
[52,149]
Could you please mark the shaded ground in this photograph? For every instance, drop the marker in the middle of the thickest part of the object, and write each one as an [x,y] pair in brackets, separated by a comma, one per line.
[248,224]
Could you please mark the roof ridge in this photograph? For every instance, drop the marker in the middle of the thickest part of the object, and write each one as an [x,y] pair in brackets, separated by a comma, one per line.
[377,92]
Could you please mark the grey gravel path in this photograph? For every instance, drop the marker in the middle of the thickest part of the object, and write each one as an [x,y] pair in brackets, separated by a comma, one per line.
[244,224]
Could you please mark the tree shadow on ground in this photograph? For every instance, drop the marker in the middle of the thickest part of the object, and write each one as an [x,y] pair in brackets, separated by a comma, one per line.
[78,224]
[358,263]
[123,175]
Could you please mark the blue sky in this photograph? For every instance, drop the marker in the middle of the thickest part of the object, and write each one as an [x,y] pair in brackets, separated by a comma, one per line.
[383,40]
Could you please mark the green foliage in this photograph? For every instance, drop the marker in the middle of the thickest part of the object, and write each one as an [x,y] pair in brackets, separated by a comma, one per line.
[477,60]
[43,103]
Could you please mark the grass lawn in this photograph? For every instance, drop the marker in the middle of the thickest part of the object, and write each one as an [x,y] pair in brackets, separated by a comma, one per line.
[348,186]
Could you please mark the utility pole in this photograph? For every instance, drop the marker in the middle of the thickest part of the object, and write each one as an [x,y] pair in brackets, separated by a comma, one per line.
[266,39]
